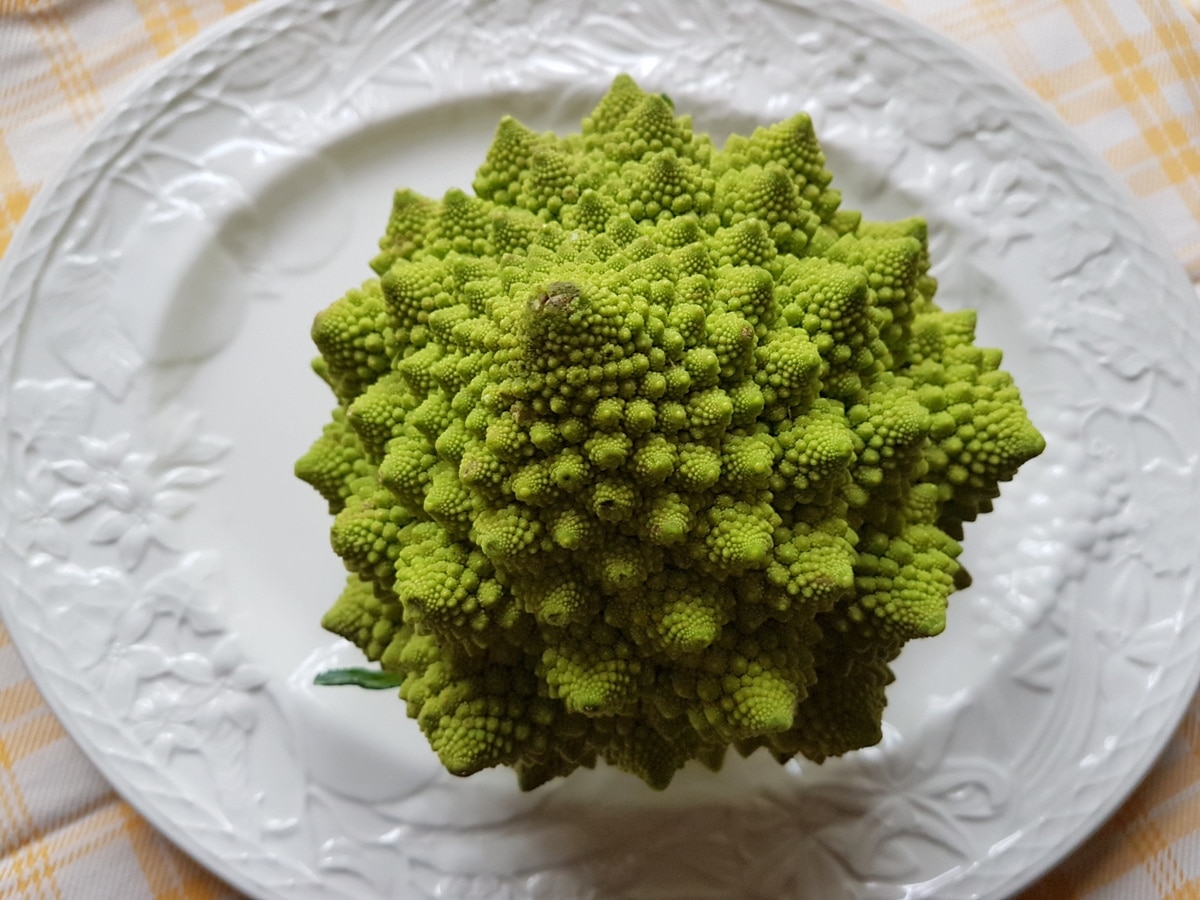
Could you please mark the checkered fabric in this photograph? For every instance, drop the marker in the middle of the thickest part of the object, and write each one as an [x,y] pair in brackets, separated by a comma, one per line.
[1123,74]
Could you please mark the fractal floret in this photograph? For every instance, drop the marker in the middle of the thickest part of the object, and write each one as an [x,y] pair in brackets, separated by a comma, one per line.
[646,449]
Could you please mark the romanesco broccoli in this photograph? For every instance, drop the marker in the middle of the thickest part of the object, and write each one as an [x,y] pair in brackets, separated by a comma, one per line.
[648,449]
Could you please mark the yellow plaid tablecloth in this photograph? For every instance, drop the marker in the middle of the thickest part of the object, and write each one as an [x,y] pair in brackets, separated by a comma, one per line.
[1123,74]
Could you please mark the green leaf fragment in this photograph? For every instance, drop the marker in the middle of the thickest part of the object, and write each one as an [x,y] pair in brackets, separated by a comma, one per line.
[370,679]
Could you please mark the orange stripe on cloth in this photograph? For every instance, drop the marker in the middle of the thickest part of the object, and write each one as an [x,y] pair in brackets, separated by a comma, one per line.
[1115,76]
[66,62]
[1157,57]
[1166,139]
[966,23]
[38,867]
[1181,53]
[28,874]
[18,701]
[1143,833]
[998,21]
[14,201]
[1134,85]
[33,732]
[1132,70]
[19,825]
[1161,173]
[36,870]
[1121,846]
[169,874]
[169,24]
[1136,80]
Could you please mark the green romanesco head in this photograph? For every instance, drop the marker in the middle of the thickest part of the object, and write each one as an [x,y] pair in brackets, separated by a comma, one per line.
[648,449]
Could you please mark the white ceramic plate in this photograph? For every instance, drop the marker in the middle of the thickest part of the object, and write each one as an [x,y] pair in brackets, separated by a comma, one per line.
[164,573]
